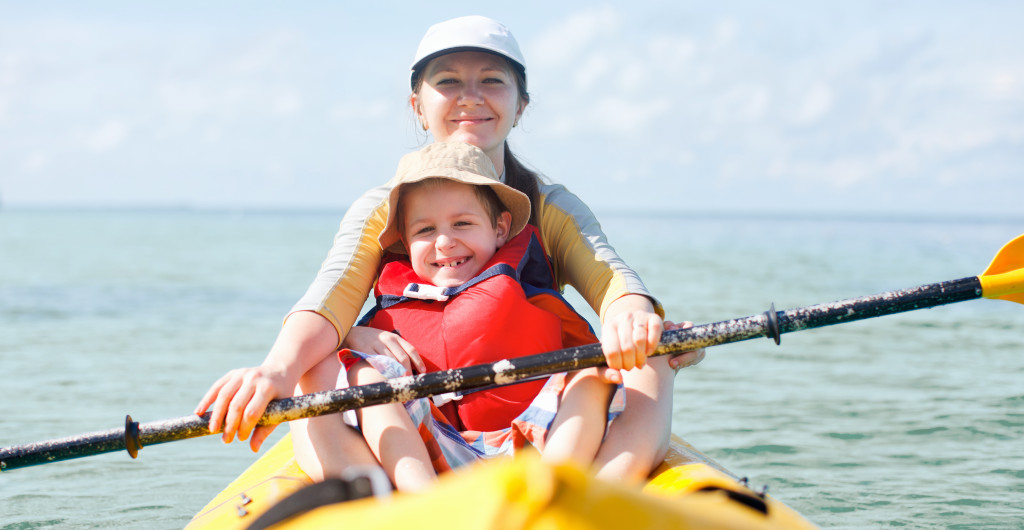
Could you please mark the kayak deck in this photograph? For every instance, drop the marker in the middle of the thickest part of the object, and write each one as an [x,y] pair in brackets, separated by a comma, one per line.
[688,490]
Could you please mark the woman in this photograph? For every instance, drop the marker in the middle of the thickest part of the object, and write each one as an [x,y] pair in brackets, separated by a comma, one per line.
[469,85]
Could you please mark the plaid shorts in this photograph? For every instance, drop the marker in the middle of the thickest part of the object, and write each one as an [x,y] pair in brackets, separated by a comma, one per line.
[450,448]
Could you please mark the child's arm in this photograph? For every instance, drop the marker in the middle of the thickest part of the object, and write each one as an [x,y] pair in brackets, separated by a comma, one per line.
[378,342]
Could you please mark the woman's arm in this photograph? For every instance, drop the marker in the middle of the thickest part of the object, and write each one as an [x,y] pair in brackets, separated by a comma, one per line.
[582,257]
[239,398]
[313,330]
[348,272]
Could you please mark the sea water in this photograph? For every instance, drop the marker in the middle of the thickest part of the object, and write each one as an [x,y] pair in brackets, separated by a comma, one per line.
[912,420]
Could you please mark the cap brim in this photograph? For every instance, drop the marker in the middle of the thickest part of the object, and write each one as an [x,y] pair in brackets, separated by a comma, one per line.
[418,66]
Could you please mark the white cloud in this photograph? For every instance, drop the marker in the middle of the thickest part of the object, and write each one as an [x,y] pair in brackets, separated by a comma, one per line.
[359,111]
[183,97]
[35,162]
[726,32]
[618,116]
[287,103]
[738,106]
[592,70]
[212,134]
[108,135]
[838,173]
[258,55]
[577,35]
[671,51]
[232,78]
[805,96]
[1005,85]
[10,67]
[5,105]
[816,103]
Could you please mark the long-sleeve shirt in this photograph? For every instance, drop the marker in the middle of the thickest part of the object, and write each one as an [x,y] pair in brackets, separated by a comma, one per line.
[578,249]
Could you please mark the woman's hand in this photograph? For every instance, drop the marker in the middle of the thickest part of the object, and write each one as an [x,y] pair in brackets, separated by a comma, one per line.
[377,342]
[240,397]
[630,332]
[682,360]
[238,400]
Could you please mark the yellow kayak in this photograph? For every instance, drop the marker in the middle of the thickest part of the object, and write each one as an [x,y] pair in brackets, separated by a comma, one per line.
[688,490]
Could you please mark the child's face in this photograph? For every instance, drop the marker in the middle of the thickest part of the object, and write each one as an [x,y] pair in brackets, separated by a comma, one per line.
[448,233]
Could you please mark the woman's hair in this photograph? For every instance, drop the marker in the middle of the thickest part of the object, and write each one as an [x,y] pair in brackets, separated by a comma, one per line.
[525,180]
[517,174]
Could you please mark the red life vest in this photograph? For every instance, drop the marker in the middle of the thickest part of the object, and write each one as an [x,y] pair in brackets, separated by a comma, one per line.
[510,309]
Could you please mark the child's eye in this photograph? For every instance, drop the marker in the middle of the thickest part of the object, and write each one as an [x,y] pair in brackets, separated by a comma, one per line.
[423,230]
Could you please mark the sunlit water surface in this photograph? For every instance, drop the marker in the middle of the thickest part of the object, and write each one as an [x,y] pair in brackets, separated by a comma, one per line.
[910,420]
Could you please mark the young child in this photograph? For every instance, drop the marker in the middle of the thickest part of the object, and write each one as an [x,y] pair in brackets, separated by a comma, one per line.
[468,283]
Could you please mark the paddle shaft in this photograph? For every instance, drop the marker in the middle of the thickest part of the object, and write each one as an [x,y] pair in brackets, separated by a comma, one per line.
[769,324]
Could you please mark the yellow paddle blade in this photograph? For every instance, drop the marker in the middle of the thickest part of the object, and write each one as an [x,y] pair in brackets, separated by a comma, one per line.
[1004,277]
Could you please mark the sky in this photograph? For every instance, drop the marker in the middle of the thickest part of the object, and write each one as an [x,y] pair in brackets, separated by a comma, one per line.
[910,107]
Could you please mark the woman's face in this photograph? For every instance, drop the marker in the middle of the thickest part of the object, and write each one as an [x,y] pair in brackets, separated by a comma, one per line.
[469,97]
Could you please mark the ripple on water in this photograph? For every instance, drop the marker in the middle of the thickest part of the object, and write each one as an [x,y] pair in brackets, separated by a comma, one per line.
[761,449]
[1015,473]
[848,435]
[33,525]
[930,430]
[968,502]
[847,464]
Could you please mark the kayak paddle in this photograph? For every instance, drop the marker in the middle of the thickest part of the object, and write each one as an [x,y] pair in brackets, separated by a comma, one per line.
[1004,279]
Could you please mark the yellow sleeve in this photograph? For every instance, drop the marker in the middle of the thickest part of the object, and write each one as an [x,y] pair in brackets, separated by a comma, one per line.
[580,253]
[347,276]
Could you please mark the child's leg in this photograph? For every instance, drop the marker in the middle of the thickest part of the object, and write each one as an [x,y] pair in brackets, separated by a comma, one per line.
[392,437]
[580,422]
[324,445]
[638,438]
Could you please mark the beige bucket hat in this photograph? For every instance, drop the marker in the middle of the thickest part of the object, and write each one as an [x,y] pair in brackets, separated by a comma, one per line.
[455,161]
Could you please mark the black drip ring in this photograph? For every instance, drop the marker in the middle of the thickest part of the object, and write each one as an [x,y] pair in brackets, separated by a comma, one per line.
[772,329]
[131,436]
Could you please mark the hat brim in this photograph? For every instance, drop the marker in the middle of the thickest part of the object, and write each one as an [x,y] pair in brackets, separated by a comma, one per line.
[513,200]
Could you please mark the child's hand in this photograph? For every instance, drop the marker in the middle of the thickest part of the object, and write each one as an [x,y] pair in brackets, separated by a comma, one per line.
[377,342]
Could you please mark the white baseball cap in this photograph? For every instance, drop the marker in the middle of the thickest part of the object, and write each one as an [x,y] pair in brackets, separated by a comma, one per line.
[472,33]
